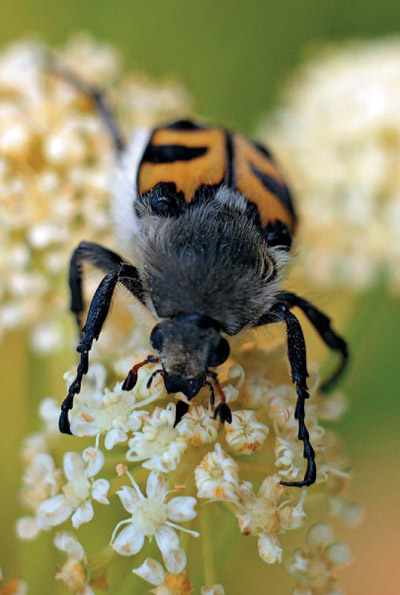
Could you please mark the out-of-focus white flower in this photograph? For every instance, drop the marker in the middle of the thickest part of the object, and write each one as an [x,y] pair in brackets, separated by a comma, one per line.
[73,573]
[55,165]
[213,590]
[313,568]
[337,136]
[173,582]
[14,586]
[217,476]
[42,480]
[158,443]
[78,492]
[153,516]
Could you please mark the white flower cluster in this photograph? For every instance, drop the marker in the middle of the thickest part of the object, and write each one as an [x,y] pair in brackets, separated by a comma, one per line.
[198,460]
[312,568]
[337,136]
[55,163]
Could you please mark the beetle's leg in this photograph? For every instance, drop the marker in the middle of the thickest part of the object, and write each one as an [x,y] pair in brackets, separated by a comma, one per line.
[104,259]
[181,409]
[297,359]
[98,97]
[212,392]
[222,410]
[96,317]
[322,324]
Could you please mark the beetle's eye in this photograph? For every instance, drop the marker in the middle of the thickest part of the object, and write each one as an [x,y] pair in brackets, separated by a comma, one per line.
[156,338]
[220,354]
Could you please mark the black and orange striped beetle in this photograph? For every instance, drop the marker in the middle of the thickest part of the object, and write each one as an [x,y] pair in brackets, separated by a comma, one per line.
[210,222]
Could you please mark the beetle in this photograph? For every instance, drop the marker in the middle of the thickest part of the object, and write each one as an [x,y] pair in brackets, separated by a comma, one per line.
[209,220]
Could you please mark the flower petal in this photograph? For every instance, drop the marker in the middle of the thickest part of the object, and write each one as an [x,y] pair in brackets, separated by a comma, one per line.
[175,560]
[181,508]
[129,497]
[53,511]
[73,465]
[167,539]
[100,489]
[129,541]
[83,514]
[94,459]
[157,485]
[27,528]
[338,553]
[319,536]
[67,542]
[151,571]
[269,548]
[113,437]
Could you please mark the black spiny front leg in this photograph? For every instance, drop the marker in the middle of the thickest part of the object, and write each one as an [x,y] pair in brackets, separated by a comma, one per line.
[98,256]
[99,308]
[97,314]
[297,359]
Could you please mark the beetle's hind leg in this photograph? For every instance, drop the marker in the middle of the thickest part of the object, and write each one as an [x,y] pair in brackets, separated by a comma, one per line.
[97,95]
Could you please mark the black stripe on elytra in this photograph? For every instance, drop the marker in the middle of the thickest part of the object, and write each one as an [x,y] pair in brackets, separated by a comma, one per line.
[230,162]
[171,153]
[184,125]
[204,194]
[280,190]
[263,150]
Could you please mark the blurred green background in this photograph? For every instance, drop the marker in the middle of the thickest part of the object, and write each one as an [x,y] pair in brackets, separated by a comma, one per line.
[234,57]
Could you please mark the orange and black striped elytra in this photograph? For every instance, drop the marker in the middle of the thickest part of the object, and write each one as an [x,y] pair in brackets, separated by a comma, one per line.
[208,220]
[189,156]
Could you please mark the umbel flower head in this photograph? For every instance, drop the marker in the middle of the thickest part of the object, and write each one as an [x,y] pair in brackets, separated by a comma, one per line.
[206,465]
[55,164]
[337,136]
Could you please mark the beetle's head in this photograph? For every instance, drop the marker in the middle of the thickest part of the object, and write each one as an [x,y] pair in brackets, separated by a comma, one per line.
[188,346]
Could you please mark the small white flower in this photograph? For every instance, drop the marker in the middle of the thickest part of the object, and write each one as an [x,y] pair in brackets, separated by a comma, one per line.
[81,488]
[213,590]
[98,410]
[172,583]
[217,476]
[159,444]
[245,434]
[73,573]
[153,516]
[41,481]
[198,426]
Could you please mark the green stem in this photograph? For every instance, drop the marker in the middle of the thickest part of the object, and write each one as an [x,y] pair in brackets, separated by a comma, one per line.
[207,543]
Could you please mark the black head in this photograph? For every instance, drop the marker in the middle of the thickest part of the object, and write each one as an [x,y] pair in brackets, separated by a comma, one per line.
[188,346]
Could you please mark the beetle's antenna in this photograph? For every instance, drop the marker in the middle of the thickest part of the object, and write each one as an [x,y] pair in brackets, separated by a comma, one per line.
[54,66]
[131,379]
